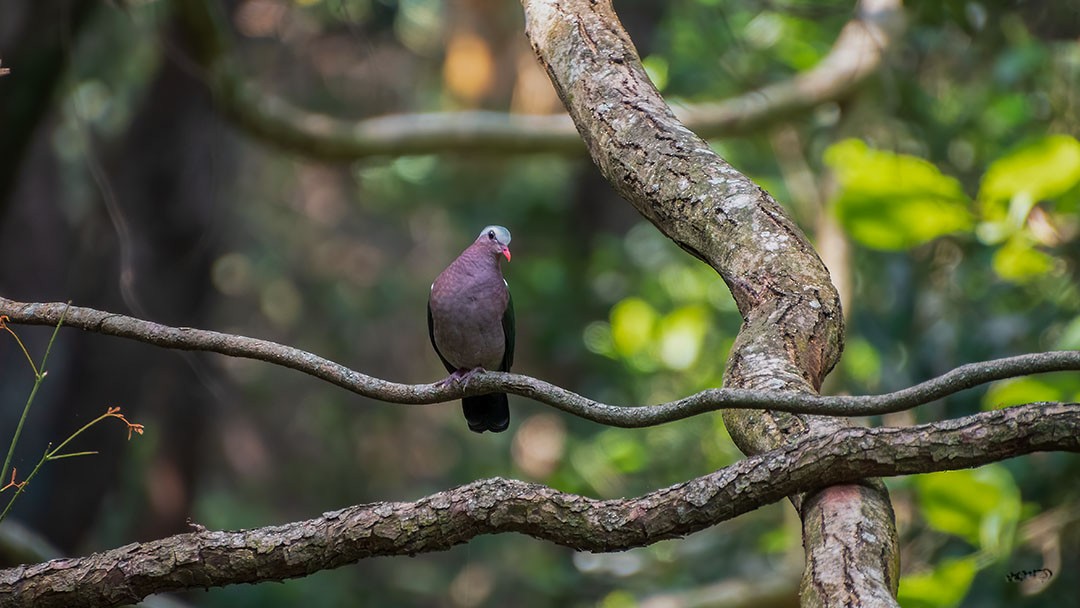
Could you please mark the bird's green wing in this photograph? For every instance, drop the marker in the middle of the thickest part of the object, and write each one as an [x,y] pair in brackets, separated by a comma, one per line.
[431,334]
[509,332]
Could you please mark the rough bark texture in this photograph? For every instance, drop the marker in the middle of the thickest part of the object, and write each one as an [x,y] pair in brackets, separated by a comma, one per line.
[440,521]
[792,335]
[792,332]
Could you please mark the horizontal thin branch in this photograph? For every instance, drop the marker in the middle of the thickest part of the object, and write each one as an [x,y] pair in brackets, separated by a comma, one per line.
[856,55]
[452,517]
[186,338]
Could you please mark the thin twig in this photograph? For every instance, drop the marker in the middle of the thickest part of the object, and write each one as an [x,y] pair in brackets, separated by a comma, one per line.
[39,376]
[52,453]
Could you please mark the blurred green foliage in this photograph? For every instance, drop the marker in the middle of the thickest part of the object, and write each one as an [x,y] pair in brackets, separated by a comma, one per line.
[955,175]
[943,587]
[894,201]
[981,506]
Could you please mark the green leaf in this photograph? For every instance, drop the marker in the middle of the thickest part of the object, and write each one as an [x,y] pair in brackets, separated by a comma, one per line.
[1043,169]
[1019,261]
[72,455]
[894,201]
[1060,386]
[944,587]
[1017,391]
[632,322]
[981,506]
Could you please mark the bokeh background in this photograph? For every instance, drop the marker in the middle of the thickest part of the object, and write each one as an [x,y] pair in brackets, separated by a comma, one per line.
[943,195]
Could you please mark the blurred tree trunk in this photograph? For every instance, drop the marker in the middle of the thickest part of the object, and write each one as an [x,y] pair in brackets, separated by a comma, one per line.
[162,236]
[35,38]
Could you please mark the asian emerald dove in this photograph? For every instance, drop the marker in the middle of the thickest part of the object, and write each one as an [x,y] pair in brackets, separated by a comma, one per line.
[471,323]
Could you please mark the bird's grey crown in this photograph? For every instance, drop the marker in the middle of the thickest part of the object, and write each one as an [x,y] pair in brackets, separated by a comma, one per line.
[501,233]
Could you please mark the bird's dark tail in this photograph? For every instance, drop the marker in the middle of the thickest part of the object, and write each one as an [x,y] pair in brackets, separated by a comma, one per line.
[487,412]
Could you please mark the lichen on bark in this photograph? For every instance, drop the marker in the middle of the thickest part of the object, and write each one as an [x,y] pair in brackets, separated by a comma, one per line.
[792,332]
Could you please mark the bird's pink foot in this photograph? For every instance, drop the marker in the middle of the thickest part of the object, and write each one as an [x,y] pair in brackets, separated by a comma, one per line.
[469,374]
[460,376]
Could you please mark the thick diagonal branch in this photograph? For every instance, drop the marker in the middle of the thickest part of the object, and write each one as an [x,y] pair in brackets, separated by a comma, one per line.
[440,521]
[187,338]
[792,332]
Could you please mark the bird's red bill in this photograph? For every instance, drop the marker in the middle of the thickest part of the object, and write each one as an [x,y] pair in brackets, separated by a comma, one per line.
[506,252]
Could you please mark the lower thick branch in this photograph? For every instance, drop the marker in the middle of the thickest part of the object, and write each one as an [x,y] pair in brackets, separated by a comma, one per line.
[440,521]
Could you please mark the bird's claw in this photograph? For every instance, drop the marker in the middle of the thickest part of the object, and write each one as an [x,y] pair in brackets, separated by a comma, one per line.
[460,376]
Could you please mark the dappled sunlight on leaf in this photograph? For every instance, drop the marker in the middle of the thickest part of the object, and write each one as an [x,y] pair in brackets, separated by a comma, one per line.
[894,201]
[1043,169]
[1018,261]
[593,467]
[632,322]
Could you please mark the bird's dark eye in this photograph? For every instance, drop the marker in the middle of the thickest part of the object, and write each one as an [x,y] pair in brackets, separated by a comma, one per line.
[491,234]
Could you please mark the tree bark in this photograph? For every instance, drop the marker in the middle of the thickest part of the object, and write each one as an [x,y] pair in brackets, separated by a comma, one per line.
[211,558]
[792,335]
[792,332]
